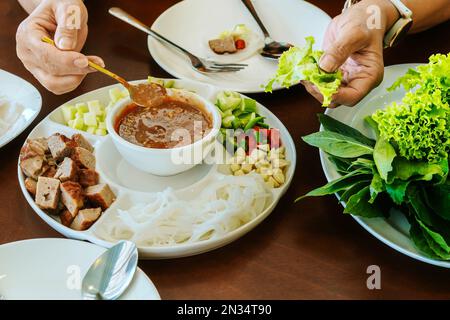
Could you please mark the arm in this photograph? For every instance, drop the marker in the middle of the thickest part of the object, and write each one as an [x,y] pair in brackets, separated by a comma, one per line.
[427,14]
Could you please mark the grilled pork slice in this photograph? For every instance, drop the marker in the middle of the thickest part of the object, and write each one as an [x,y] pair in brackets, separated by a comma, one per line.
[31,185]
[82,142]
[221,46]
[60,146]
[32,167]
[83,158]
[87,177]
[47,193]
[72,196]
[67,170]
[101,195]
[85,218]
[66,218]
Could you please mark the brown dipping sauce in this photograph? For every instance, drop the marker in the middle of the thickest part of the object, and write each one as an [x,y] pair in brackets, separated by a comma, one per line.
[153,127]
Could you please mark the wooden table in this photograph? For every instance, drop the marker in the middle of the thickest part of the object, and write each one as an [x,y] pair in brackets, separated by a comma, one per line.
[309,250]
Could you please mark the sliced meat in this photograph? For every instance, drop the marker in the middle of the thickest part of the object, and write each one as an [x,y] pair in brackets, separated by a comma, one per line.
[101,195]
[32,167]
[72,196]
[221,46]
[85,218]
[67,170]
[87,177]
[47,193]
[66,218]
[83,158]
[82,142]
[31,185]
[60,146]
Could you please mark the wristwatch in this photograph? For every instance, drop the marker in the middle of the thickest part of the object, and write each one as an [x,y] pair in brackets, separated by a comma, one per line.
[399,29]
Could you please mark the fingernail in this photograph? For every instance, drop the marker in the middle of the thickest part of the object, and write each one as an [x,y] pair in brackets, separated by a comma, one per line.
[81,62]
[65,43]
[328,63]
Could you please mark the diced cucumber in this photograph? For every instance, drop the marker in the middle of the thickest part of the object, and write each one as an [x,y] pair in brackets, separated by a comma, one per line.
[228,100]
[78,124]
[115,94]
[82,107]
[102,125]
[95,107]
[155,80]
[68,113]
[101,132]
[90,119]
[79,115]
[248,105]
[169,84]
[91,130]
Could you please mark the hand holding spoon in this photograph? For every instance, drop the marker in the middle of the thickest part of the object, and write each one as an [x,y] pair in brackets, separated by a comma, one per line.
[143,94]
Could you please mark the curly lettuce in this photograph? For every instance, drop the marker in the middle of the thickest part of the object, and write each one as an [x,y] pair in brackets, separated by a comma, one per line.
[419,126]
[302,63]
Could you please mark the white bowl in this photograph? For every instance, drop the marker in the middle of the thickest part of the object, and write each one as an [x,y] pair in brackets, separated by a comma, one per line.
[166,162]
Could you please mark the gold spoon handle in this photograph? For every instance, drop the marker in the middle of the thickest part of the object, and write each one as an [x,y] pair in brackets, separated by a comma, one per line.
[96,66]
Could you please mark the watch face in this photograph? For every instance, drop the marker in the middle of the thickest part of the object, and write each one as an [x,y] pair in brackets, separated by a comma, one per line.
[401,32]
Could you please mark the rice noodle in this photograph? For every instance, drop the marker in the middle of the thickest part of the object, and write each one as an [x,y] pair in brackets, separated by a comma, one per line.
[166,220]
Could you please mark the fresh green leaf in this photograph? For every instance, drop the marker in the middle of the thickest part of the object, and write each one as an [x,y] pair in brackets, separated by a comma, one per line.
[373,124]
[417,236]
[376,186]
[436,242]
[355,188]
[333,125]
[405,170]
[302,63]
[358,205]
[342,164]
[438,198]
[337,144]
[383,155]
[339,184]
[397,190]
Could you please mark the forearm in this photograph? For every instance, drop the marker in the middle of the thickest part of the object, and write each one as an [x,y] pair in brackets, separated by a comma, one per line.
[29,5]
[427,14]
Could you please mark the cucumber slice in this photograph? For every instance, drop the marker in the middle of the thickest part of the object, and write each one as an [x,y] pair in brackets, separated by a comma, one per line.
[78,124]
[101,132]
[228,100]
[95,107]
[115,94]
[91,130]
[227,121]
[82,107]
[68,113]
[90,119]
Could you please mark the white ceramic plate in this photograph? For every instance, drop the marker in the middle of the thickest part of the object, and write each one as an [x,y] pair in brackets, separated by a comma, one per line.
[50,269]
[189,23]
[17,90]
[131,185]
[394,231]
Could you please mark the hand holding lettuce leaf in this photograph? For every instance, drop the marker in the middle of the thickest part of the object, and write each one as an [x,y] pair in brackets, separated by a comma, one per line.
[299,64]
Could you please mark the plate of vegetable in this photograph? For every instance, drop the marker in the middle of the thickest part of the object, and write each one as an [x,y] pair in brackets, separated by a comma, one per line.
[387,160]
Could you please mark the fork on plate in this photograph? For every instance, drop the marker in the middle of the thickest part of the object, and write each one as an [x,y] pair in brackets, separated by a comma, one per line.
[199,64]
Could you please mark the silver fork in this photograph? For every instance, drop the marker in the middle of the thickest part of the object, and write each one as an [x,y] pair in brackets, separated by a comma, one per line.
[199,64]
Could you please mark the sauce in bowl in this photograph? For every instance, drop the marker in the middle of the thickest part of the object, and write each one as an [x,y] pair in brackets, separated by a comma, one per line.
[173,123]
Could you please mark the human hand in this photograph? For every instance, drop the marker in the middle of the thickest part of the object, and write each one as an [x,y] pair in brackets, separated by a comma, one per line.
[357,49]
[59,69]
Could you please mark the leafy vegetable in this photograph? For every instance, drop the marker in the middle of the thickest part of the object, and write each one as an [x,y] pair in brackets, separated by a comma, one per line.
[420,125]
[331,124]
[383,156]
[338,144]
[358,204]
[299,64]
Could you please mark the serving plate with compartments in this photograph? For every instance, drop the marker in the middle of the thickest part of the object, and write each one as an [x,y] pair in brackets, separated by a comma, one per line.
[132,186]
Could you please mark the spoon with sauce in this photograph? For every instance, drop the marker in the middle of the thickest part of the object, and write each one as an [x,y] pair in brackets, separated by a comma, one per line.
[143,94]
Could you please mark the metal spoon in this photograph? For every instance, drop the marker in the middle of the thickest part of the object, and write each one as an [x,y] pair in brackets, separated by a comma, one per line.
[143,94]
[272,49]
[111,274]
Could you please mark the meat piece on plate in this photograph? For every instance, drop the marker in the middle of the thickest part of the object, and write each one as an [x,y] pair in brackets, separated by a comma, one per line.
[32,167]
[221,46]
[48,171]
[60,146]
[66,218]
[101,195]
[67,170]
[31,185]
[87,177]
[85,218]
[82,142]
[72,196]
[84,158]
[47,193]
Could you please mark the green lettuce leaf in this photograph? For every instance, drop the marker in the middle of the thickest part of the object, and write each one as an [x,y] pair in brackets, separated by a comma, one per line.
[302,63]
